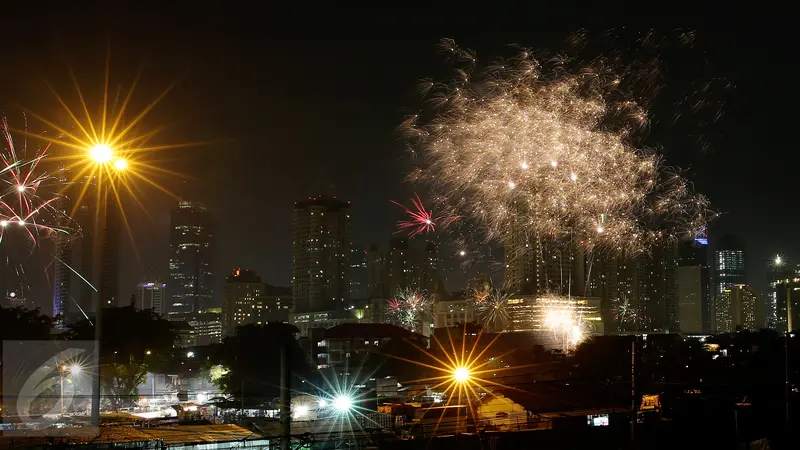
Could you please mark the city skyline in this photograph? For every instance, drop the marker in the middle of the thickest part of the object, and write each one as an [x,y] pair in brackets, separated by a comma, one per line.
[353,151]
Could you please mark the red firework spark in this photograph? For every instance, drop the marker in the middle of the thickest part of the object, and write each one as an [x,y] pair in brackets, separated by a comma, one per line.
[20,203]
[420,219]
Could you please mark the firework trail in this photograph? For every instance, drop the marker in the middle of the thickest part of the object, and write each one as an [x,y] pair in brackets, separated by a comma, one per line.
[420,220]
[537,148]
[409,309]
[28,196]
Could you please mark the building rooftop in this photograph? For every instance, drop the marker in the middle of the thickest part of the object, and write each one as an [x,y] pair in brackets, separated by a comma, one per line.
[367,330]
[171,435]
[331,203]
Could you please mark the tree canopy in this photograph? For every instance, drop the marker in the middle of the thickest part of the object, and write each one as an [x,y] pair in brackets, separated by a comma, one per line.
[22,324]
[252,360]
[133,342]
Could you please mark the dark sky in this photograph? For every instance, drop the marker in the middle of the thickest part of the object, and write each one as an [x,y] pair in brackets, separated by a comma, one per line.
[286,106]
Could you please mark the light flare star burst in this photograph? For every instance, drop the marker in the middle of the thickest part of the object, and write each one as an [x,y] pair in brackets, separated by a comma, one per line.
[105,146]
[534,147]
[461,371]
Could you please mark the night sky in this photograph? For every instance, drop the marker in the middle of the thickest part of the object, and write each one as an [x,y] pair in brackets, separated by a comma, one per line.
[280,108]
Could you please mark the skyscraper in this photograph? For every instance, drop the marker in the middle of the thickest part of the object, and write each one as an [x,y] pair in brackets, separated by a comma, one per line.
[320,254]
[191,236]
[242,303]
[779,272]
[358,276]
[150,295]
[694,287]
[729,270]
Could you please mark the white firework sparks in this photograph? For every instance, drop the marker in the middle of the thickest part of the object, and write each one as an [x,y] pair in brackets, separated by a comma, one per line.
[519,148]
[491,304]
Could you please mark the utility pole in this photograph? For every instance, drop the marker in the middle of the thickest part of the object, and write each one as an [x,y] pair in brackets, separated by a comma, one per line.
[633,391]
[286,410]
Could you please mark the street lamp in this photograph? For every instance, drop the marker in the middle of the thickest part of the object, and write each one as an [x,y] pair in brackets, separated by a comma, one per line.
[72,369]
[342,403]
[461,375]
[101,155]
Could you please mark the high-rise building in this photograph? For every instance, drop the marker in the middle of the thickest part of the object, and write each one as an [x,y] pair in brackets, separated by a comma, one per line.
[787,307]
[738,308]
[523,262]
[204,327]
[729,270]
[694,287]
[150,295]
[191,236]
[779,272]
[358,277]
[242,302]
[402,267]
[320,254]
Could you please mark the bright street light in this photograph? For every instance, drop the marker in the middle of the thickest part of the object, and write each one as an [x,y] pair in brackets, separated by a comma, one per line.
[101,153]
[121,164]
[461,374]
[778,260]
[342,403]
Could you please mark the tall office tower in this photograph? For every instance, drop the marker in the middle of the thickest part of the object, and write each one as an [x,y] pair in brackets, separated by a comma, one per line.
[662,306]
[191,236]
[694,287]
[62,276]
[150,295]
[358,277]
[729,270]
[320,254]
[241,302]
[779,271]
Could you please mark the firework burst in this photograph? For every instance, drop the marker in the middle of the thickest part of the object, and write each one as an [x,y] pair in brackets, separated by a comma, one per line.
[420,220]
[29,199]
[530,147]
[491,305]
[409,309]
[567,320]
[624,313]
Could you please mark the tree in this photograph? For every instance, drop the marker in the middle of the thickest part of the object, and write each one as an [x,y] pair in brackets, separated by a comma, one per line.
[251,360]
[22,324]
[133,343]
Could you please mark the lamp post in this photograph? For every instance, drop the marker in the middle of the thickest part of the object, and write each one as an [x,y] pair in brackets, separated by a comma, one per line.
[102,155]
[73,369]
